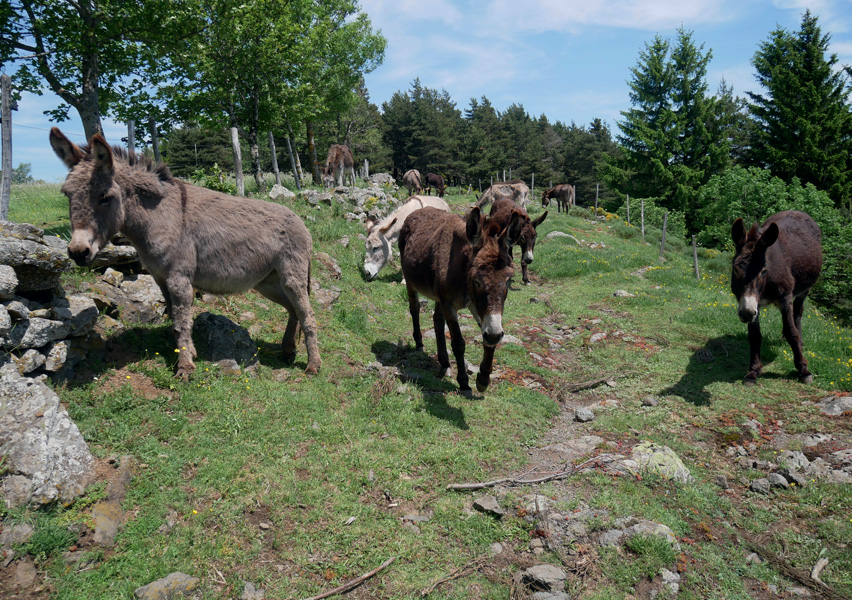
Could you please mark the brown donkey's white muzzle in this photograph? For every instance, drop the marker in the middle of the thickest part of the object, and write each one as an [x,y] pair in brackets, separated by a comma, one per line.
[492,328]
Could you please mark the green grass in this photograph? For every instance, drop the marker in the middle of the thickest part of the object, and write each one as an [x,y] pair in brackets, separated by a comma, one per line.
[306,454]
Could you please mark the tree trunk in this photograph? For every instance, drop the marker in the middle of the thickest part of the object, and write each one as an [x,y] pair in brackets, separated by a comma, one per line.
[255,160]
[274,159]
[295,150]
[238,161]
[312,152]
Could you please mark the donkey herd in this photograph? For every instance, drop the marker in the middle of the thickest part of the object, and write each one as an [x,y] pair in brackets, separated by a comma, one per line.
[190,237]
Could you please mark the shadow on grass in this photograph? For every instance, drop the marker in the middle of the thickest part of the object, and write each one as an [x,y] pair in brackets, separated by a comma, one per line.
[137,343]
[419,368]
[722,359]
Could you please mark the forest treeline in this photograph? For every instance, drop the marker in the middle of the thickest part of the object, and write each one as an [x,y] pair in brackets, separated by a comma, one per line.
[296,69]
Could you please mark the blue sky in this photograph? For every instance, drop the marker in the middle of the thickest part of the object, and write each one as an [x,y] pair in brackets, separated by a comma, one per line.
[568,59]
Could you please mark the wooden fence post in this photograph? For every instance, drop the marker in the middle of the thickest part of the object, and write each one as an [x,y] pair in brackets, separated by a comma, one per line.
[155,141]
[663,242]
[695,259]
[504,174]
[131,138]
[274,159]
[510,173]
[6,164]
[532,190]
[628,209]
[642,216]
[597,190]
[238,161]
[366,169]
[480,185]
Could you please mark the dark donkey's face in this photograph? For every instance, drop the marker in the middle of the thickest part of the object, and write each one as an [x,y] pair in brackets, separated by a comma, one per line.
[528,238]
[490,272]
[94,199]
[748,273]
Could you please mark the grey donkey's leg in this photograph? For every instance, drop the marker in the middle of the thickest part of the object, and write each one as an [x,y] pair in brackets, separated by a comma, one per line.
[297,302]
[180,292]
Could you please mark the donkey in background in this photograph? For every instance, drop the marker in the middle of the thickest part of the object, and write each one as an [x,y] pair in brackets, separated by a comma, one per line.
[778,264]
[189,236]
[459,263]
[339,166]
[382,235]
[502,211]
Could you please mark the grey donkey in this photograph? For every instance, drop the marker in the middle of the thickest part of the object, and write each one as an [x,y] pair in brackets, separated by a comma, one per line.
[189,237]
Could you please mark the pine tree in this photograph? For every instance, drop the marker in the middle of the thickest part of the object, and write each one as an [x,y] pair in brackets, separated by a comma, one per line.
[804,123]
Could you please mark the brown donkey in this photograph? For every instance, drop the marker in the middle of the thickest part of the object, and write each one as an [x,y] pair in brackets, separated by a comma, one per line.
[777,263]
[459,263]
[189,236]
[502,211]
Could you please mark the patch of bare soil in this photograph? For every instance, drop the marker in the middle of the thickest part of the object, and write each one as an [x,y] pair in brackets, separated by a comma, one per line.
[141,384]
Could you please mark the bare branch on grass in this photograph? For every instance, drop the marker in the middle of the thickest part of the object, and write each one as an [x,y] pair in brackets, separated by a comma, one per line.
[517,481]
[354,582]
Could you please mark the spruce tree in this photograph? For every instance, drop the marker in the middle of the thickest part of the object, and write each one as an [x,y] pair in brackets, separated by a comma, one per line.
[804,123]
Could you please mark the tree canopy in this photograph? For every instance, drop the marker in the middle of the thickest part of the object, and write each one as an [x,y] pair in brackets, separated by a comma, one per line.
[804,119]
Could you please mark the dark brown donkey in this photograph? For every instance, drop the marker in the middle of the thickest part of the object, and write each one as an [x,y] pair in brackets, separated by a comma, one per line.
[459,263]
[189,236]
[501,211]
[777,263]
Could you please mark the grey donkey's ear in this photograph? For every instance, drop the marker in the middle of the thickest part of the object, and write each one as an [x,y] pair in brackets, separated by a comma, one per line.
[65,149]
[103,154]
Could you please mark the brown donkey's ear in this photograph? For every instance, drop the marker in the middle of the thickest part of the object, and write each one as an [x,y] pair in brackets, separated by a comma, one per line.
[539,220]
[738,233]
[512,233]
[65,149]
[103,154]
[769,237]
[473,227]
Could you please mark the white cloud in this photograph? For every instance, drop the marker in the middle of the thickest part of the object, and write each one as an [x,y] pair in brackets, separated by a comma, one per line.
[573,16]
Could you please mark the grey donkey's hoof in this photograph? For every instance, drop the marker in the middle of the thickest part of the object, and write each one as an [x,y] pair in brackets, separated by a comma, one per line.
[806,378]
[750,380]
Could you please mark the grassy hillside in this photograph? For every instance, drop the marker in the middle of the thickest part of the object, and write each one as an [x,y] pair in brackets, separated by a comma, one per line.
[263,473]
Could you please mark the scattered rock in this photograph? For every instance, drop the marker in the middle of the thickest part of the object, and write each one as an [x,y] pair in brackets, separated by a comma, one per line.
[794,460]
[835,407]
[777,480]
[597,337]
[496,548]
[170,587]
[760,486]
[17,534]
[47,458]
[623,294]
[650,401]
[793,477]
[329,263]
[671,581]
[661,460]
[219,338]
[722,482]
[279,192]
[754,557]
[544,577]
[8,282]
[24,576]
[611,537]
[488,505]
[575,448]
[252,593]
[584,415]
